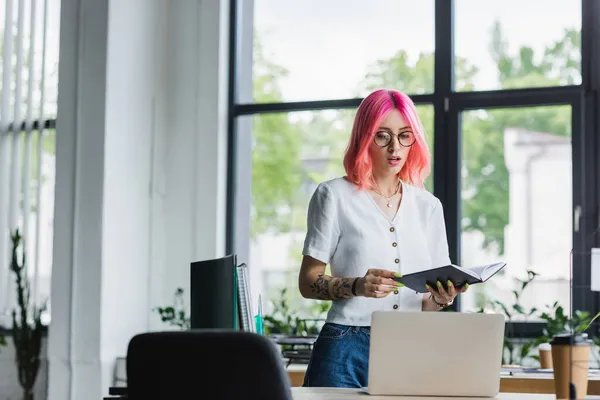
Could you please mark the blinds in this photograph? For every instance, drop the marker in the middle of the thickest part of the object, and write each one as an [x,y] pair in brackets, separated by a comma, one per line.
[24,138]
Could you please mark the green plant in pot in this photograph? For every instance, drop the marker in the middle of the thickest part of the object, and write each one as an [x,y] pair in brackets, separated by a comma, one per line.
[559,323]
[27,325]
[175,315]
[284,318]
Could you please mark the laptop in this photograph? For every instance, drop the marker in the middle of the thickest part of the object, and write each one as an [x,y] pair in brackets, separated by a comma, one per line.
[435,354]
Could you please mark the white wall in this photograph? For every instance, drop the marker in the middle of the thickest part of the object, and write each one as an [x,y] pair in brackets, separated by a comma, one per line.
[141,166]
[189,169]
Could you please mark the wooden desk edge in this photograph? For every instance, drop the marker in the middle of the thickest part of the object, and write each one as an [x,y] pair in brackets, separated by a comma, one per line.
[507,384]
[540,385]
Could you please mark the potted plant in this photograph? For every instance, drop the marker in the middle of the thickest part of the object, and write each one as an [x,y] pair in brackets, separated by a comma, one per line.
[175,314]
[558,323]
[284,320]
[27,325]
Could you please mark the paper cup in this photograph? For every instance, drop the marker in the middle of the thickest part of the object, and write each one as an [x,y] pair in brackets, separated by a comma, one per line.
[545,353]
[570,358]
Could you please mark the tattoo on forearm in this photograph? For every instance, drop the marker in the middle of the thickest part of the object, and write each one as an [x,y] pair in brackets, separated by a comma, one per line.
[330,288]
[341,288]
[321,287]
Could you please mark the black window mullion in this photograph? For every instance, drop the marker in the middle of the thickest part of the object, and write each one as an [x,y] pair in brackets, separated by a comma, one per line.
[446,151]
[511,98]
[46,124]
[581,295]
[446,148]
[313,105]
[586,190]
[230,228]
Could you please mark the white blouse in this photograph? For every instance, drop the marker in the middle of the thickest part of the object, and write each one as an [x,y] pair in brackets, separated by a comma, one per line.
[347,230]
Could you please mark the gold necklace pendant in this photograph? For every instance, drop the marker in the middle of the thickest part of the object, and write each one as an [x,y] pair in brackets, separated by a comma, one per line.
[388,199]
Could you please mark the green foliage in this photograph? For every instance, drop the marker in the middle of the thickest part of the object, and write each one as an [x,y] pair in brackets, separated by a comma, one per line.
[396,72]
[287,321]
[558,323]
[516,309]
[276,146]
[559,65]
[175,315]
[27,336]
[513,311]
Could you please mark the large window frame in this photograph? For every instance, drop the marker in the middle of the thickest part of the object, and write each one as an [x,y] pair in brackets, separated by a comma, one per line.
[448,105]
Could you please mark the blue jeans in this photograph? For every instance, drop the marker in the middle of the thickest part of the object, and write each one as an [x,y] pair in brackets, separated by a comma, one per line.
[340,357]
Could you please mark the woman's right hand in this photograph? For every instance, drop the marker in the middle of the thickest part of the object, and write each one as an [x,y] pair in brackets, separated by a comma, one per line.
[377,283]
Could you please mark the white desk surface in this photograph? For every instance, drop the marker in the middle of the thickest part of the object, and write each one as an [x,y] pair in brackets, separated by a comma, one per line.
[302,393]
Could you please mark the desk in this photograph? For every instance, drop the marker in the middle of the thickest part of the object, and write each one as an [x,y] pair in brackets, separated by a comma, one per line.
[300,393]
[539,383]
[520,383]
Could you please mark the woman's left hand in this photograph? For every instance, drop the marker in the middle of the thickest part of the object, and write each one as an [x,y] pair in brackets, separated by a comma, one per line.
[446,294]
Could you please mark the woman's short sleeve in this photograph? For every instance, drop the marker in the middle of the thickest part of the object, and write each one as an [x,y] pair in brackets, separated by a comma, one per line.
[322,225]
[437,238]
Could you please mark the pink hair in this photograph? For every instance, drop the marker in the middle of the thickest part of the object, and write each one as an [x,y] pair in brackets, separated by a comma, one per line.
[371,111]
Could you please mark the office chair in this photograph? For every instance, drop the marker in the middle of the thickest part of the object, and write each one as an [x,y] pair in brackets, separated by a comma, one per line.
[211,364]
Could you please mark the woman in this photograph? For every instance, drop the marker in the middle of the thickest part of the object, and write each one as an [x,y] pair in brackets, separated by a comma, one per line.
[375,223]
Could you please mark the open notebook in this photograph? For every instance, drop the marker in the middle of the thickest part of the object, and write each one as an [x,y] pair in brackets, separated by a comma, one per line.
[458,275]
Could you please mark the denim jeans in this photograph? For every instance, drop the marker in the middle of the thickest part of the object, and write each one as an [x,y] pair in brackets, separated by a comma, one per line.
[340,357]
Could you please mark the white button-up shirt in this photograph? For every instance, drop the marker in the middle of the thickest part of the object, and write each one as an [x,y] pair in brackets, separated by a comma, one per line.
[347,230]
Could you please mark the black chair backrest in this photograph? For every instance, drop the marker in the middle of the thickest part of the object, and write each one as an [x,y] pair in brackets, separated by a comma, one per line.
[205,364]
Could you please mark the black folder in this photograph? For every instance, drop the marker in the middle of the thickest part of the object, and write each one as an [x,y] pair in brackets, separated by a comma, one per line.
[213,293]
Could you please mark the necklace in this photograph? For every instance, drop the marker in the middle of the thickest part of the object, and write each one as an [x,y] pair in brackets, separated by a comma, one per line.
[388,199]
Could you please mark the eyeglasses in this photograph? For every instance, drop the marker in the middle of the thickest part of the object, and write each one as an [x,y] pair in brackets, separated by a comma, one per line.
[383,139]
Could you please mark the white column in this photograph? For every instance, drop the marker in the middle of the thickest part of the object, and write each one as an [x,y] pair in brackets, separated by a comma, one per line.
[141,167]
[74,332]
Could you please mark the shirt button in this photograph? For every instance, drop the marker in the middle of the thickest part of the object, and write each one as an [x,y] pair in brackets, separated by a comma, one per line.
[394,244]
[392,229]
[395,292]
[395,306]
[396,261]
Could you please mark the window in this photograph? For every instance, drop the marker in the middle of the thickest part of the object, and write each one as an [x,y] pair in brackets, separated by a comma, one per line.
[516,204]
[512,130]
[330,50]
[29,78]
[495,51]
